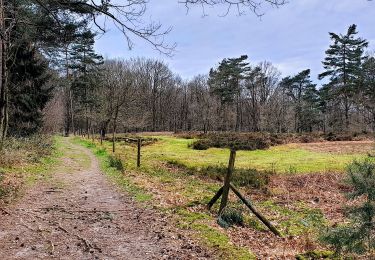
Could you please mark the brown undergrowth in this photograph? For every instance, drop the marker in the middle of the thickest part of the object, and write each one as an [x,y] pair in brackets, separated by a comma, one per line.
[340,147]
[20,162]
[320,192]
[287,200]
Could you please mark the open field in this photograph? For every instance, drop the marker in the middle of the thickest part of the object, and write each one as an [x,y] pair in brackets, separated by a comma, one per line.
[301,199]
[290,158]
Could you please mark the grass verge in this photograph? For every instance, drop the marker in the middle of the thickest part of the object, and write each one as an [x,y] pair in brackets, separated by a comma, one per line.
[26,161]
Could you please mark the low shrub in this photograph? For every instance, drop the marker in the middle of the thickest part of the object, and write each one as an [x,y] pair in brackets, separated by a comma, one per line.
[241,177]
[238,141]
[252,178]
[309,138]
[10,184]
[259,140]
[229,217]
[20,152]
[132,139]
[115,162]
[339,137]
[201,144]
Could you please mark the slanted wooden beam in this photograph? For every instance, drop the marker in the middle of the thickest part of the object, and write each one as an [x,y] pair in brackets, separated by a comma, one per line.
[256,213]
[215,198]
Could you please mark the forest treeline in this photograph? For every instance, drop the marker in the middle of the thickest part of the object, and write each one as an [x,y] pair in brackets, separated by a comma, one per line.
[54,81]
[145,95]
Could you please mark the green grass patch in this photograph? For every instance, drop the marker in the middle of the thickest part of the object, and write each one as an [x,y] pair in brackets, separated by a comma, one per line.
[285,159]
[210,236]
[296,220]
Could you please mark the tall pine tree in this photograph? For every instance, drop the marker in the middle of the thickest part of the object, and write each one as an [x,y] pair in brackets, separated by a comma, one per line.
[225,82]
[343,66]
[304,96]
[84,63]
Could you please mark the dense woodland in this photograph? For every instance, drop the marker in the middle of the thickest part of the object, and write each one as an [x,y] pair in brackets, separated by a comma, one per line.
[52,80]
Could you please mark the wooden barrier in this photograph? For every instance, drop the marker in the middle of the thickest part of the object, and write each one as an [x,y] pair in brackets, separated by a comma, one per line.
[139,145]
[223,192]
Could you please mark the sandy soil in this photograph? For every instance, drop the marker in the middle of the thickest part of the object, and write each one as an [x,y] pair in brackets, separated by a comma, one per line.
[79,215]
[340,147]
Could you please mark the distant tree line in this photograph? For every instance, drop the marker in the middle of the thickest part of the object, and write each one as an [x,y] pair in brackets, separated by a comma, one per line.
[145,95]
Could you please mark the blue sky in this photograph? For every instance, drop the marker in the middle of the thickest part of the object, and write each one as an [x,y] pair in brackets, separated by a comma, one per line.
[293,37]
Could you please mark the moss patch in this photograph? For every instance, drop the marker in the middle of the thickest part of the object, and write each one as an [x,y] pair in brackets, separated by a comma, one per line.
[296,219]
[210,236]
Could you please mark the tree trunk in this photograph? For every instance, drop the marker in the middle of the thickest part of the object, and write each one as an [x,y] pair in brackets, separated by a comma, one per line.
[114,130]
[114,136]
[153,101]
[3,76]
[71,110]
[347,107]
[237,127]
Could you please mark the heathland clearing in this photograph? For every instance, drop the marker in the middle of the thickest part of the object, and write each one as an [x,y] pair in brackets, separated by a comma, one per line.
[289,158]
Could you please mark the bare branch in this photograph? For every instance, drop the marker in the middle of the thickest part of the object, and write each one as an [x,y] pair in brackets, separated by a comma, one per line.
[240,6]
[126,16]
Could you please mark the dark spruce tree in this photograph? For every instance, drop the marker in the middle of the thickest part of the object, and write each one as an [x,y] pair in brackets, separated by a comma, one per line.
[29,90]
[342,66]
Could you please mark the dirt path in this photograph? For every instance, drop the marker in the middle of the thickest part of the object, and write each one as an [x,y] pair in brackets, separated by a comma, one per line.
[79,215]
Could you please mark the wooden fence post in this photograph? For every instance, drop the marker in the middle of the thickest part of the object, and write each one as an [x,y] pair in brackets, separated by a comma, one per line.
[139,144]
[223,192]
[228,177]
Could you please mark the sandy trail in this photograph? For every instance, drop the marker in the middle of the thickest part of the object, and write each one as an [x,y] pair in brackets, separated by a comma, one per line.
[80,215]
